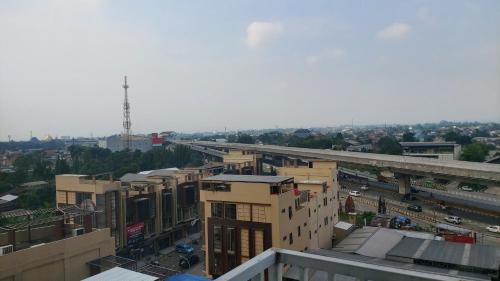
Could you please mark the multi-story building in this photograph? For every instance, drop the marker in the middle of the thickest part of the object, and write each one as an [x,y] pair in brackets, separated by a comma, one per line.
[151,208]
[438,150]
[137,142]
[319,179]
[242,163]
[103,196]
[247,214]
[161,206]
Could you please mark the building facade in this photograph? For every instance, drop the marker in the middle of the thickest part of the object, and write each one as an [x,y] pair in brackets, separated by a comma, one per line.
[437,150]
[242,163]
[247,214]
[65,259]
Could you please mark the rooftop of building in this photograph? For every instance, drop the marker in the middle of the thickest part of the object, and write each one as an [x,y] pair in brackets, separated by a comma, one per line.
[322,264]
[460,254]
[121,274]
[248,178]
[208,165]
[428,144]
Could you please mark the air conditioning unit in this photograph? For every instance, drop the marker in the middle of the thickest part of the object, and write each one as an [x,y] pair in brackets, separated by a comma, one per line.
[78,231]
[6,249]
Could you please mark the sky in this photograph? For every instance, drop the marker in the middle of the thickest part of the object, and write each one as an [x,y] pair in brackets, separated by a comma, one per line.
[210,65]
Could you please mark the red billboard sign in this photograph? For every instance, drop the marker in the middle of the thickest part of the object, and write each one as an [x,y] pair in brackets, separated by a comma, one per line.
[135,229]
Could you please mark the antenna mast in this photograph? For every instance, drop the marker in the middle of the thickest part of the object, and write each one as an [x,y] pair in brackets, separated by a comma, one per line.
[126,118]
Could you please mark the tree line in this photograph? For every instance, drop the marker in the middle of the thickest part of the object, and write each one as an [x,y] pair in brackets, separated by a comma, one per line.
[35,166]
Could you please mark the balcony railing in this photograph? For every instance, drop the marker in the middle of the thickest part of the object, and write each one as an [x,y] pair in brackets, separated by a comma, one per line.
[273,261]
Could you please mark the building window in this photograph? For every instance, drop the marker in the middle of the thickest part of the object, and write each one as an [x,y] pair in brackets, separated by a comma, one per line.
[290,238]
[298,230]
[290,212]
[310,235]
[305,224]
[324,188]
[284,238]
[283,210]
[326,220]
[217,211]
[231,261]
[82,196]
[325,201]
[231,240]
[217,238]
[230,211]
[309,212]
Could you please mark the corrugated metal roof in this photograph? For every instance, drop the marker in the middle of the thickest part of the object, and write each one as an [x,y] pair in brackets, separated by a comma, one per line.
[248,178]
[453,228]
[344,225]
[381,242]
[473,255]
[9,197]
[120,274]
[133,177]
[385,262]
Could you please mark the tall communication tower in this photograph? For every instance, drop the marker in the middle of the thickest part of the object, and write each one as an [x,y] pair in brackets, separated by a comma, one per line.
[126,118]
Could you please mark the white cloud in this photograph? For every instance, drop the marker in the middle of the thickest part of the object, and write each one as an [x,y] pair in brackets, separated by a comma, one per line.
[334,53]
[259,32]
[394,31]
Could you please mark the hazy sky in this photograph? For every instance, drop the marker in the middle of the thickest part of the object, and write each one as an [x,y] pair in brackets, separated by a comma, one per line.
[206,65]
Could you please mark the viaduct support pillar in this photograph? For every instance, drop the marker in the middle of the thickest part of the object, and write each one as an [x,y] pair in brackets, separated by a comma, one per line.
[404,183]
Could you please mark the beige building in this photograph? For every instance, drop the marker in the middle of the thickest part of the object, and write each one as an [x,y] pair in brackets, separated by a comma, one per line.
[242,163]
[247,214]
[319,179]
[64,259]
[155,207]
[88,192]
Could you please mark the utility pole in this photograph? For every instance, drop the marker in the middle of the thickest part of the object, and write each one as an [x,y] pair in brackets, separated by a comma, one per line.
[126,118]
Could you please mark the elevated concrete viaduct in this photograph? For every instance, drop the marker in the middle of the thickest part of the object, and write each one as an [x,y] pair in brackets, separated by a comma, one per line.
[404,166]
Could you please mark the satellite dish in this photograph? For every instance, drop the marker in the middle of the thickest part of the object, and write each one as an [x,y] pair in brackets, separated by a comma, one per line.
[87,205]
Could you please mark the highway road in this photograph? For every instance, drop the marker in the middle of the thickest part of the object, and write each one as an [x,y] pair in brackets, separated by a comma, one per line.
[490,203]
[430,215]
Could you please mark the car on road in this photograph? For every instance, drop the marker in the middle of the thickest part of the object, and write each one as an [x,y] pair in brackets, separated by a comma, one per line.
[184,248]
[354,193]
[415,208]
[466,188]
[364,187]
[188,261]
[493,228]
[453,219]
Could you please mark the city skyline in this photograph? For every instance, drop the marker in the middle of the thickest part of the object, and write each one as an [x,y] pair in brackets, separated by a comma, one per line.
[207,66]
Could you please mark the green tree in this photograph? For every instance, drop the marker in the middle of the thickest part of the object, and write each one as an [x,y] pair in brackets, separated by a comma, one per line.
[245,138]
[61,167]
[458,138]
[409,136]
[475,152]
[389,145]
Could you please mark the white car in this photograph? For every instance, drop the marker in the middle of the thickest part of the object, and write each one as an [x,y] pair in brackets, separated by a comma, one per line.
[466,188]
[355,193]
[453,219]
[493,228]
[364,187]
